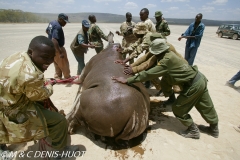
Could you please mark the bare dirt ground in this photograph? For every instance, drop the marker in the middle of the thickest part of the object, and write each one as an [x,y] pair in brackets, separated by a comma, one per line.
[217,58]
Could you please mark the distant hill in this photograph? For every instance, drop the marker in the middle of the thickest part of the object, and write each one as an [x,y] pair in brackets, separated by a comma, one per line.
[18,16]
[114,18]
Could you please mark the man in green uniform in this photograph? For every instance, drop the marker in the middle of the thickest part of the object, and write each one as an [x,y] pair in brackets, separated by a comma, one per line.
[162,25]
[175,71]
[22,87]
[95,34]
[148,61]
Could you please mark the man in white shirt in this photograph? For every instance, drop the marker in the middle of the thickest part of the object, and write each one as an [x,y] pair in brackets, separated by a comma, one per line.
[144,18]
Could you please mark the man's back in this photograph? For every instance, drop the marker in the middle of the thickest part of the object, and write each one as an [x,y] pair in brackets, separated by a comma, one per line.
[95,34]
[55,31]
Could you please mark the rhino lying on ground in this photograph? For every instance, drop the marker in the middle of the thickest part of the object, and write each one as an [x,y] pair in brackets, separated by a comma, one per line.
[107,108]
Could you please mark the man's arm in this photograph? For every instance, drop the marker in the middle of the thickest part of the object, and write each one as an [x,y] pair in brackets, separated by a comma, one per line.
[121,31]
[186,34]
[152,73]
[57,47]
[37,91]
[145,65]
[143,76]
[132,47]
[144,46]
[82,42]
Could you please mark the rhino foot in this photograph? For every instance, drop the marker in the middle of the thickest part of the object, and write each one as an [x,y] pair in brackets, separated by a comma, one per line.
[73,126]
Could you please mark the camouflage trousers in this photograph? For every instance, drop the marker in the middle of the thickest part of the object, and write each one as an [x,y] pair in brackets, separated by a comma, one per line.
[56,126]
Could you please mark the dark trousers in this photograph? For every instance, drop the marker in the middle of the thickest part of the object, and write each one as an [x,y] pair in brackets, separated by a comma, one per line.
[235,78]
[57,127]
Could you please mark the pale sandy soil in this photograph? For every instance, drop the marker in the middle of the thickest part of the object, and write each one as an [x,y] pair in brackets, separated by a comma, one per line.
[217,58]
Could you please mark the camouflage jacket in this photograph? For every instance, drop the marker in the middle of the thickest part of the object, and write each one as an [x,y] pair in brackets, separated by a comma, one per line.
[126,32]
[144,46]
[132,47]
[21,85]
[150,25]
[95,35]
[162,27]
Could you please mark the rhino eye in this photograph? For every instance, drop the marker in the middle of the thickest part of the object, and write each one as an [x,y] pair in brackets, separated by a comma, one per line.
[93,86]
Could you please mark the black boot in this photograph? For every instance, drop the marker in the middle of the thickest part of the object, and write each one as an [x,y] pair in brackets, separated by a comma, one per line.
[147,84]
[170,100]
[211,130]
[159,93]
[191,132]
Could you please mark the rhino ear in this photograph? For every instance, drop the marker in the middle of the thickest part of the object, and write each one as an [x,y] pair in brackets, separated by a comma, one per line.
[110,37]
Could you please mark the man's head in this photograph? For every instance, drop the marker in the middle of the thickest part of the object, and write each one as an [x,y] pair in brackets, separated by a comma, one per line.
[158,16]
[42,52]
[198,18]
[85,25]
[128,17]
[158,46]
[140,29]
[63,19]
[92,18]
[144,14]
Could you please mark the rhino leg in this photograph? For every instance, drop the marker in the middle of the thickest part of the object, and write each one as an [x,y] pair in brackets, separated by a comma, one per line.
[74,117]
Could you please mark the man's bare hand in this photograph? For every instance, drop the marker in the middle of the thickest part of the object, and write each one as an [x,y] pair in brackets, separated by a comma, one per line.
[119,49]
[92,46]
[179,38]
[119,79]
[128,70]
[119,61]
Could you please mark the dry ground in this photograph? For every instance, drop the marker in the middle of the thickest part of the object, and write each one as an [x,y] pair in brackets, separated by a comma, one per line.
[217,58]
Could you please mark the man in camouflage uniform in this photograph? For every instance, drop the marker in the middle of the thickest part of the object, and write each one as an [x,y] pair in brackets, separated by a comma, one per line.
[144,18]
[95,34]
[142,44]
[174,70]
[162,25]
[126,30]
[22,87]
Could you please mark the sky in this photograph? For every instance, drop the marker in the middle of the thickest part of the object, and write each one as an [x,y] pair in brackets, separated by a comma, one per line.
[211,9]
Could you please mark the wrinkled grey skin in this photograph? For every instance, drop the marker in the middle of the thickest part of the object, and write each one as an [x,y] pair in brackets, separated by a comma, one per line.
[106,107]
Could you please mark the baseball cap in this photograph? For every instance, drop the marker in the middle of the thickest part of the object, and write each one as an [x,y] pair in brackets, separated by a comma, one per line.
[158,46]
[85,23]
[64,17]
[158,13]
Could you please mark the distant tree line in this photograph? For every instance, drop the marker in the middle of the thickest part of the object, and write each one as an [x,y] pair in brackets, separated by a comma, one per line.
[18,16]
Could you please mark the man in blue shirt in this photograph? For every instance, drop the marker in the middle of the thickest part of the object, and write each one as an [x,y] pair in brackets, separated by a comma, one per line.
[80,45]
[55,33]
[193,35]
